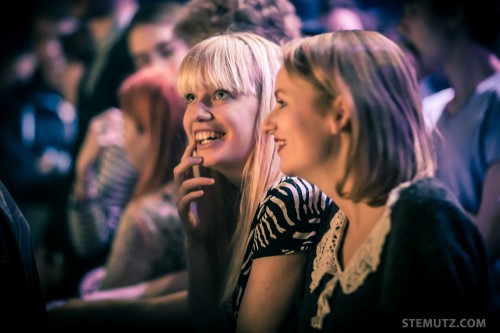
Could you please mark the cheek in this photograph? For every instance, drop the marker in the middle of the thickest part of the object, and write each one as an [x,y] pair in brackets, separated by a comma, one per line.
[186,122]
[245,133]
[308,140]
[142,149]
[128,143]
[136,149]
[189,116]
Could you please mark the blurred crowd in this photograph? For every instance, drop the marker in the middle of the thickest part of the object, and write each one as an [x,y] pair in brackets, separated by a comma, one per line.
[80,155]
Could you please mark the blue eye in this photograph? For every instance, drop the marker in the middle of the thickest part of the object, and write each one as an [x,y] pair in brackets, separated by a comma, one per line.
[221,94]
[190,98]
[280,103]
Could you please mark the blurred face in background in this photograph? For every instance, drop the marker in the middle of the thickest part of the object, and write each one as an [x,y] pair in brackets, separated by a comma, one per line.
[343,19]
[153,45]
[429,35]
[51,61]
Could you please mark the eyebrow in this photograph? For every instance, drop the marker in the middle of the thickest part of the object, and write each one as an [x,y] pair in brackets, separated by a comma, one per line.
[165,43]
[277,91]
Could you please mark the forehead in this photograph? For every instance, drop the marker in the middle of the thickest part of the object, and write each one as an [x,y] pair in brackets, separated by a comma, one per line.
[282,81]
[292,85]
[145,35]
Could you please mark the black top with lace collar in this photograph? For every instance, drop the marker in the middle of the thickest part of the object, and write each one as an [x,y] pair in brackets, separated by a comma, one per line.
[423,259]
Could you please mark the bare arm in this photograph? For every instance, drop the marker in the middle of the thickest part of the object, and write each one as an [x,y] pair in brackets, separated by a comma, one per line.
[165,285]
[270,292]
[488,217]
[167,312]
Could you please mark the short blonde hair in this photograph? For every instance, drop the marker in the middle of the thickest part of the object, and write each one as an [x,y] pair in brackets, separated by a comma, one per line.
[243,63]
[389,143]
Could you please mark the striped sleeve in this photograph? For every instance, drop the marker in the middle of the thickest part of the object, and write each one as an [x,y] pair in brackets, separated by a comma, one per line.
[287,218]
[93,221]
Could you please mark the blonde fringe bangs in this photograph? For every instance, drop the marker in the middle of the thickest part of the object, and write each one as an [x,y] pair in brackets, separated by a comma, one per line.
[209,65]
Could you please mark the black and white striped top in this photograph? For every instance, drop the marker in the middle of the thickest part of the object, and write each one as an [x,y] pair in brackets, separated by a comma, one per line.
[94,220]
[285,222]
[109,183]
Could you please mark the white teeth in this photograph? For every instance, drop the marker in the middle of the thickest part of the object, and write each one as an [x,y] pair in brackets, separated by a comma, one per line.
[204,137]
[280,143]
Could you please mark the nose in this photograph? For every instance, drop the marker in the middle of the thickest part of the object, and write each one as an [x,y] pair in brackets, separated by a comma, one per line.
[202,112]
[268,126]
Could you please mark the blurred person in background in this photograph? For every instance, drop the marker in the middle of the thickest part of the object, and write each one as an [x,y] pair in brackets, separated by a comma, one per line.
[20,288]
[39,126]
[460,37]
[104,177]
[149,240]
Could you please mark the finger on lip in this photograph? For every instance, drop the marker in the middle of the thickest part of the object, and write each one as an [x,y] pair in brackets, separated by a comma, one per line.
[190,148]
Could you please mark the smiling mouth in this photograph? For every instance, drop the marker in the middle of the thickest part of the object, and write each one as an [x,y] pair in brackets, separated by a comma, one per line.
[280,143]
[205,137]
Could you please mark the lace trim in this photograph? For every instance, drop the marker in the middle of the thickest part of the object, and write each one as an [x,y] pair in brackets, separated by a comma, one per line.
[365,260]
[324,261]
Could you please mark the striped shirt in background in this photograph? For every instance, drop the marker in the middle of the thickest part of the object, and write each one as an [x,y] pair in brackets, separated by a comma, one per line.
[94,220]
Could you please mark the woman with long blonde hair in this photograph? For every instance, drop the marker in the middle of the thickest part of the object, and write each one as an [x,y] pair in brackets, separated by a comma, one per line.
[248,228]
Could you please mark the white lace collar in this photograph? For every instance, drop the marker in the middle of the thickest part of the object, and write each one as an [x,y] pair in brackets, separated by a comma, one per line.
[364,261]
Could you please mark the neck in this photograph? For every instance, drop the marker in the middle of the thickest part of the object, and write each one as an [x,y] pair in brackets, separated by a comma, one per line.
[362,219]
[100,29]
[235,176]
[467,66]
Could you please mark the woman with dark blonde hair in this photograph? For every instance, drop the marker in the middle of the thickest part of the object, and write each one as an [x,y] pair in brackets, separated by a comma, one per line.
[348,118]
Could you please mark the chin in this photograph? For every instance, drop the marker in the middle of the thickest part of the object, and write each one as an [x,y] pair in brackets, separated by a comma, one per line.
[288,171]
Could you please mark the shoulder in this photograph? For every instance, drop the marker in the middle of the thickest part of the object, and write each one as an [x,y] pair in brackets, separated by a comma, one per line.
[427,208]
[297,190]
[15,221]
[294,203]
[108,126]
[288,218]
[425,195]
[430,230]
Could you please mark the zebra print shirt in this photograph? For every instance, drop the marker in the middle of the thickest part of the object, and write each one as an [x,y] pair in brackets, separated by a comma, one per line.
[285,222]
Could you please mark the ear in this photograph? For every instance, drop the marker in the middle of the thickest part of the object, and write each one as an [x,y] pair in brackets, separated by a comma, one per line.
[340,115]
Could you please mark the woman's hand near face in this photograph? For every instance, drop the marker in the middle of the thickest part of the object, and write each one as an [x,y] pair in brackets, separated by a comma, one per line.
[193,201]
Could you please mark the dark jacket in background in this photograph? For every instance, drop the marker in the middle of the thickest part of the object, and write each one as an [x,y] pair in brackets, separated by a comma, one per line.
[21,296]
